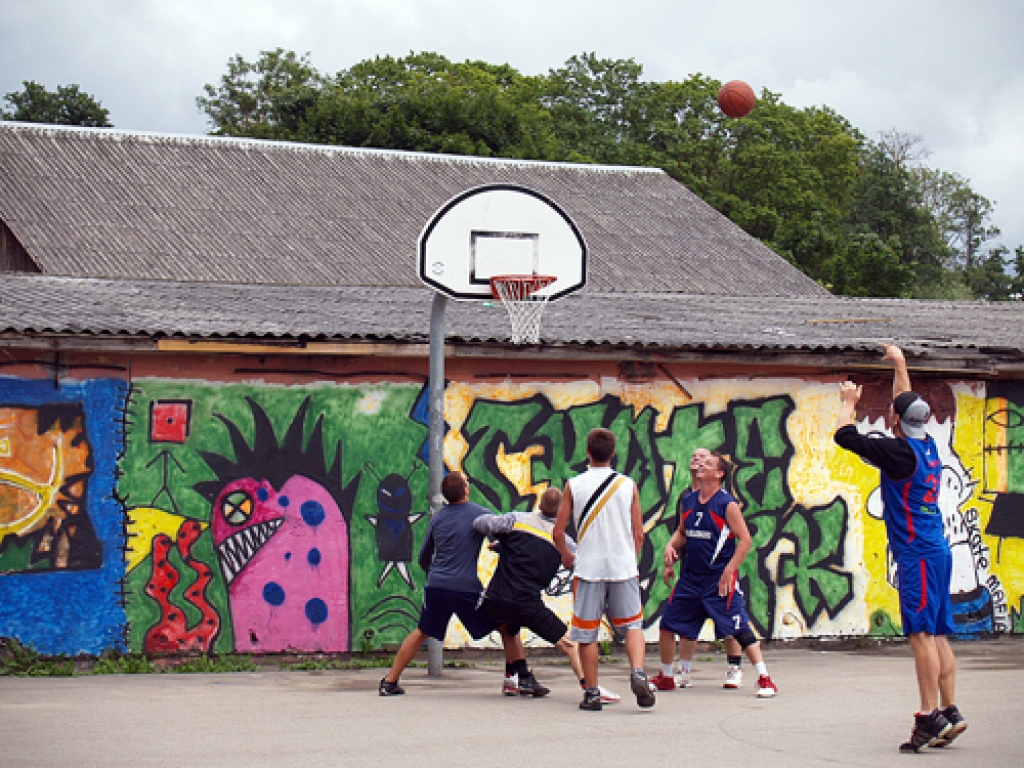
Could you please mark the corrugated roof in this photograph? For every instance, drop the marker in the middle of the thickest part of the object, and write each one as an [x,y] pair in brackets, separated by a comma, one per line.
[110,204]
[38,304]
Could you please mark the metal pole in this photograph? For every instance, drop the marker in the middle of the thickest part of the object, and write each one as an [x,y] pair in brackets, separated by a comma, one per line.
[435,662]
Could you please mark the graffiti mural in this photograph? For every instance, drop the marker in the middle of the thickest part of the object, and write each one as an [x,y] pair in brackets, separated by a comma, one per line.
[264,482]
[61,532]
[193,517]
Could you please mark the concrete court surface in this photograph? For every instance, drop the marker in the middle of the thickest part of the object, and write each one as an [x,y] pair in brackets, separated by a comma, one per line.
[835,708]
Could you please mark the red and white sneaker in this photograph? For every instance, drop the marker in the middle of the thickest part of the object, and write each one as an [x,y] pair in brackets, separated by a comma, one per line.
[662,682]
[766,688]
[510,686]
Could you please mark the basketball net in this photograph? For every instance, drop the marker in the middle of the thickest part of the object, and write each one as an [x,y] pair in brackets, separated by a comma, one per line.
[519,295]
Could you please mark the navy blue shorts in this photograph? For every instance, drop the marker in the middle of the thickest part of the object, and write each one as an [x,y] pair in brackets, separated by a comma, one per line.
[440,604]
[695,599]
[925,603]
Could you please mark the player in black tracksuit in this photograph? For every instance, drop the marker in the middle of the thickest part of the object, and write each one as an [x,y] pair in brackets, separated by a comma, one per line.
[527,562]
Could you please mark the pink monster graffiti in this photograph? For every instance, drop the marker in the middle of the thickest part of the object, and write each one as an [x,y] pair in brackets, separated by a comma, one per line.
[279,521]
[284,555]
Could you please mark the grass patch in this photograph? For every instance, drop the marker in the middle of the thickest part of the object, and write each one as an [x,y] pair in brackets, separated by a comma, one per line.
[705,658]
[17,660]
[128,664]
[208,664]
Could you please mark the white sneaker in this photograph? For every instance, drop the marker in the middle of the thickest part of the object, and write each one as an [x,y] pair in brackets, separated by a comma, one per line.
[510,686]
[733,677]
[609,697]
[683,679]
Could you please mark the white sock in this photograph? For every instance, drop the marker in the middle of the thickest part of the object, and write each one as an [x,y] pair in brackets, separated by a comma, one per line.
[666,669]
[684,666]
[762,668]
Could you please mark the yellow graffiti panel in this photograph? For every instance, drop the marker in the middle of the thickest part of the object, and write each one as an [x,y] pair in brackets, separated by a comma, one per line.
[143,524]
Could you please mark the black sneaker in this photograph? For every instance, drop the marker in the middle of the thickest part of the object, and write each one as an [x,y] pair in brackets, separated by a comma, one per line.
[528,686]
[387,688]
[592,700]
[927,730]
[641,689]
[958,722]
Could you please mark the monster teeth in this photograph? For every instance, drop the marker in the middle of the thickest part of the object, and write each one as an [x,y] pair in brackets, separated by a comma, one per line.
[236,552]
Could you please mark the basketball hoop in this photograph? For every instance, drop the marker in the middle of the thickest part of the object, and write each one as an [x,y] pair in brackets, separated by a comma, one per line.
[519,294]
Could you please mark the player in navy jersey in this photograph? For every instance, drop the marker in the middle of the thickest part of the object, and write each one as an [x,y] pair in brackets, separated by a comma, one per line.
[715,535]
[911,471]
[678,676]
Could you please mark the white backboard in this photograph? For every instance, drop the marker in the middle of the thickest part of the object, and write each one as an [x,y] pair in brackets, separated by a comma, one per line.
[501,229]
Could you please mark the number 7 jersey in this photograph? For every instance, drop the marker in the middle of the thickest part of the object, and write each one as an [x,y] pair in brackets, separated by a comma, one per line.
[710,544]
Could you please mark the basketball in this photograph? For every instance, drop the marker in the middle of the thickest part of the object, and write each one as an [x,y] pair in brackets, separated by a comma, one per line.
[736,98]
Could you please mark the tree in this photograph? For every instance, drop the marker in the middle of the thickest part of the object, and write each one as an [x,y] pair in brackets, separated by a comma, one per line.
[68,105]
[426,103]
[264,99]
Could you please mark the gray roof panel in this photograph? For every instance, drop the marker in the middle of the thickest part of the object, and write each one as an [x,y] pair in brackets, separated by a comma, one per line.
[104,203]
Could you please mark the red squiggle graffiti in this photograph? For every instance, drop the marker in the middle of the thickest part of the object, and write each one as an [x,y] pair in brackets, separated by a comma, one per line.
[171,634]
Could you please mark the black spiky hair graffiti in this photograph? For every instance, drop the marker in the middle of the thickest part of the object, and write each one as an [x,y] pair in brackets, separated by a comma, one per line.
[277,462]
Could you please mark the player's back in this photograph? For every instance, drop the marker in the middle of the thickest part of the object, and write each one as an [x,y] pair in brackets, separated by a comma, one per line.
[602,502]
[528,559]
[456,547]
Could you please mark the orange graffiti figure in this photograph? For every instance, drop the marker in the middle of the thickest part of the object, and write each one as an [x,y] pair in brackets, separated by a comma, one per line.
[45,462]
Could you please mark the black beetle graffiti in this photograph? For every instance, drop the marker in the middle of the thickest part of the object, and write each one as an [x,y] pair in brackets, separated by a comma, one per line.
[393,523]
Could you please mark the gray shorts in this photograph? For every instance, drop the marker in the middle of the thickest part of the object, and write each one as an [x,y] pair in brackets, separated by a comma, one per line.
[592,599]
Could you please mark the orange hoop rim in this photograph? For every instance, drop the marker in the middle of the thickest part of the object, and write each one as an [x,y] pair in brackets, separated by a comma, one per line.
[530,283]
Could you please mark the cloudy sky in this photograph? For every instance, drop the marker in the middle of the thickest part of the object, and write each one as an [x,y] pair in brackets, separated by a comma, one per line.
[950,71]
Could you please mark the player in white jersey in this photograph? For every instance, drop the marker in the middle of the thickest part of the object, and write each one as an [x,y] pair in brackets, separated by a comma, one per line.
[605,508]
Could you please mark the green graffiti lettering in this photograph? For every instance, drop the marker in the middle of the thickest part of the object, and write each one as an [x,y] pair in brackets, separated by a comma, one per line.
[494,427]
[758,587]
[818,536]
[762,454]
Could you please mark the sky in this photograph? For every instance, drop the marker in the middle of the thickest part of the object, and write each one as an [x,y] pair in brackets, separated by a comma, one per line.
[949,71]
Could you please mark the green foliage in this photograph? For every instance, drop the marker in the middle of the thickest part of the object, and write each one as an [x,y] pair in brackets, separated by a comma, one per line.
[127,664]
[205,664]
[17,660]
[862,218]
[68,105]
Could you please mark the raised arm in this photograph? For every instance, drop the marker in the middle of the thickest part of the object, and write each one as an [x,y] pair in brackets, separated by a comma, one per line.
[492,525]
[900,376]
[849,396]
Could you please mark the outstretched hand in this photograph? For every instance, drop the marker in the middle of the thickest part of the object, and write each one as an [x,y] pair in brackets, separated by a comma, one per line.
[893,354]
[850,392]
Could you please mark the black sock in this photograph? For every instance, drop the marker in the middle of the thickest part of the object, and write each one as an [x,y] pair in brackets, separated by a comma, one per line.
[519,668]
[508,670]
[734,661]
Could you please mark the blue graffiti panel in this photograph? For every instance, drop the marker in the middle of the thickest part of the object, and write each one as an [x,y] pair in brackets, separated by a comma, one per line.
[61,527]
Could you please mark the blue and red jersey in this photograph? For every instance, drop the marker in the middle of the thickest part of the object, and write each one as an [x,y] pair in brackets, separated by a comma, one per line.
[912,517]
[710,544]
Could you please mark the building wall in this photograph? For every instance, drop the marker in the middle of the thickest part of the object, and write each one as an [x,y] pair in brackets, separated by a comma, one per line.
[172,504]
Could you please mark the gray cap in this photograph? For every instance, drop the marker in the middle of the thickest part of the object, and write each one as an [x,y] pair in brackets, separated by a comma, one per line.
[914,414]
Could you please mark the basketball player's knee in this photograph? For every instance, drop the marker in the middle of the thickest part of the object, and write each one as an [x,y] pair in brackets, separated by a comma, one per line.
[745,638]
